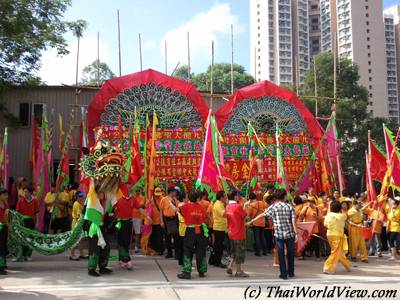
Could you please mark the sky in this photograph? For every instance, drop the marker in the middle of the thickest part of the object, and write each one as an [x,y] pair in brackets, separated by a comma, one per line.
[157,21]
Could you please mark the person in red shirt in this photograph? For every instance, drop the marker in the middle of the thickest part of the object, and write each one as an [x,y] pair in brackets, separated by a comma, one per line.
[236,214]
[3,230]
[195,239]
[123,212]
[28,207]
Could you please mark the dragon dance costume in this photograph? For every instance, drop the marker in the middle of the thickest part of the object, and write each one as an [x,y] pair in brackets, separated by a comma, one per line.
[104,166]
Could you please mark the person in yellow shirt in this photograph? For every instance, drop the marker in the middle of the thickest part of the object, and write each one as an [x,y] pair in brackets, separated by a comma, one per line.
[256,208]
[49,201]
[335,222]
[65,198]
[156,241]
[393,218]
[377,215]
[219,229]
[269,192]
[311,213]
[312,194]
[168,215]
[60,220]
[76,214]
[357,241]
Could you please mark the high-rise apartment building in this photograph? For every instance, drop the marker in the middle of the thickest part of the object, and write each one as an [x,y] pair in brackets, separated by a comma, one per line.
[279,40]
[391,65]
[356,27]
[314,26]
[393,13]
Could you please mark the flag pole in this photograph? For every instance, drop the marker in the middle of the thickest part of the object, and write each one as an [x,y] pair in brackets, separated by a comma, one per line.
[188,55]
[98,59]
[119,44]
[140,53]
[232,59]
[165,57]
[212,75]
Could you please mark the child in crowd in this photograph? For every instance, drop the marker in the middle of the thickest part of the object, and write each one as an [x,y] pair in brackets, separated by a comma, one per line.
[76,214]
[28,207]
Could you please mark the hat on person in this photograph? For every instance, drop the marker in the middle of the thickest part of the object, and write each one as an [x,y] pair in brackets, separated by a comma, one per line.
[80,194]
[158,191]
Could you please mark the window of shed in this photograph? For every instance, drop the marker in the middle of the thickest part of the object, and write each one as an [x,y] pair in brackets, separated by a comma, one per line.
[39,109]
[24,113]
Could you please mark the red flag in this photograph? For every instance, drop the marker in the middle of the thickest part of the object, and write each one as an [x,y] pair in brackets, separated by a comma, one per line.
[304,233]
[377,162]
[371,193]
[63,173]
[35,138]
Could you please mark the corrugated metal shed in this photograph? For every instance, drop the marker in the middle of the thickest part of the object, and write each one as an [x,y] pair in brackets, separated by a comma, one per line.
[57,99]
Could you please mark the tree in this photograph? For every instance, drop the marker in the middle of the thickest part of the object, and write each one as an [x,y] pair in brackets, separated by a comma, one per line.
[182,73]
[27,28]
[222,78]
[96,73]
[353,118]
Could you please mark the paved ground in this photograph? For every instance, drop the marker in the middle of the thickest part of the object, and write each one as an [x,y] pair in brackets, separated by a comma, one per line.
[155,278]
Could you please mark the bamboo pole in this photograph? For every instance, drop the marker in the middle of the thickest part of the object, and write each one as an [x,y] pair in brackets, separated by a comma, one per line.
[315,88]
[188,54]
[255,64]
[119,45]
[140,53]
[98,59]
[212,75]
[165,57]
[232,84]
[77,71]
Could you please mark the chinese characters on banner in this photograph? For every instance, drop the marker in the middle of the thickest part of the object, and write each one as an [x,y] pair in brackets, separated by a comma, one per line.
[179,154]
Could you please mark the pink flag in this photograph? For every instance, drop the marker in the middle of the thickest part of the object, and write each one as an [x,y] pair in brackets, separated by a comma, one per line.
[389,141]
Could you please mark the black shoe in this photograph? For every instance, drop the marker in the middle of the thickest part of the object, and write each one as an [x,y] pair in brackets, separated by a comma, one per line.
[282,277]
[265,254]
[291,275]
[3,271]
[160,253]
[184,275]
[84,256]
[181,263]
[257,254]
[93,273]
[105,271]
[168,256]
[202,275]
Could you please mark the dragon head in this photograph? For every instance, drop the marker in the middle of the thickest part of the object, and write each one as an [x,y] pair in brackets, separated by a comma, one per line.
[105,164]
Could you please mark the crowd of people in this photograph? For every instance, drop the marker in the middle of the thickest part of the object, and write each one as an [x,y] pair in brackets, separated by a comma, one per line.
[181,225]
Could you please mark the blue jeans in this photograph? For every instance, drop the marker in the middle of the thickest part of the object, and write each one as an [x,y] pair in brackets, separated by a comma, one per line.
[280,244]
[259,240]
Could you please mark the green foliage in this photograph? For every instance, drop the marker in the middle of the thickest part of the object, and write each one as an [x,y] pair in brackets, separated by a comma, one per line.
[182,73]
[353,119]
[27,28]
[222,78]
[96,73]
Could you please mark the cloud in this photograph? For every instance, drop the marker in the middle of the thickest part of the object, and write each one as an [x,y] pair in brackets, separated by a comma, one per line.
[149,44]
[61,70]
[203,28]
